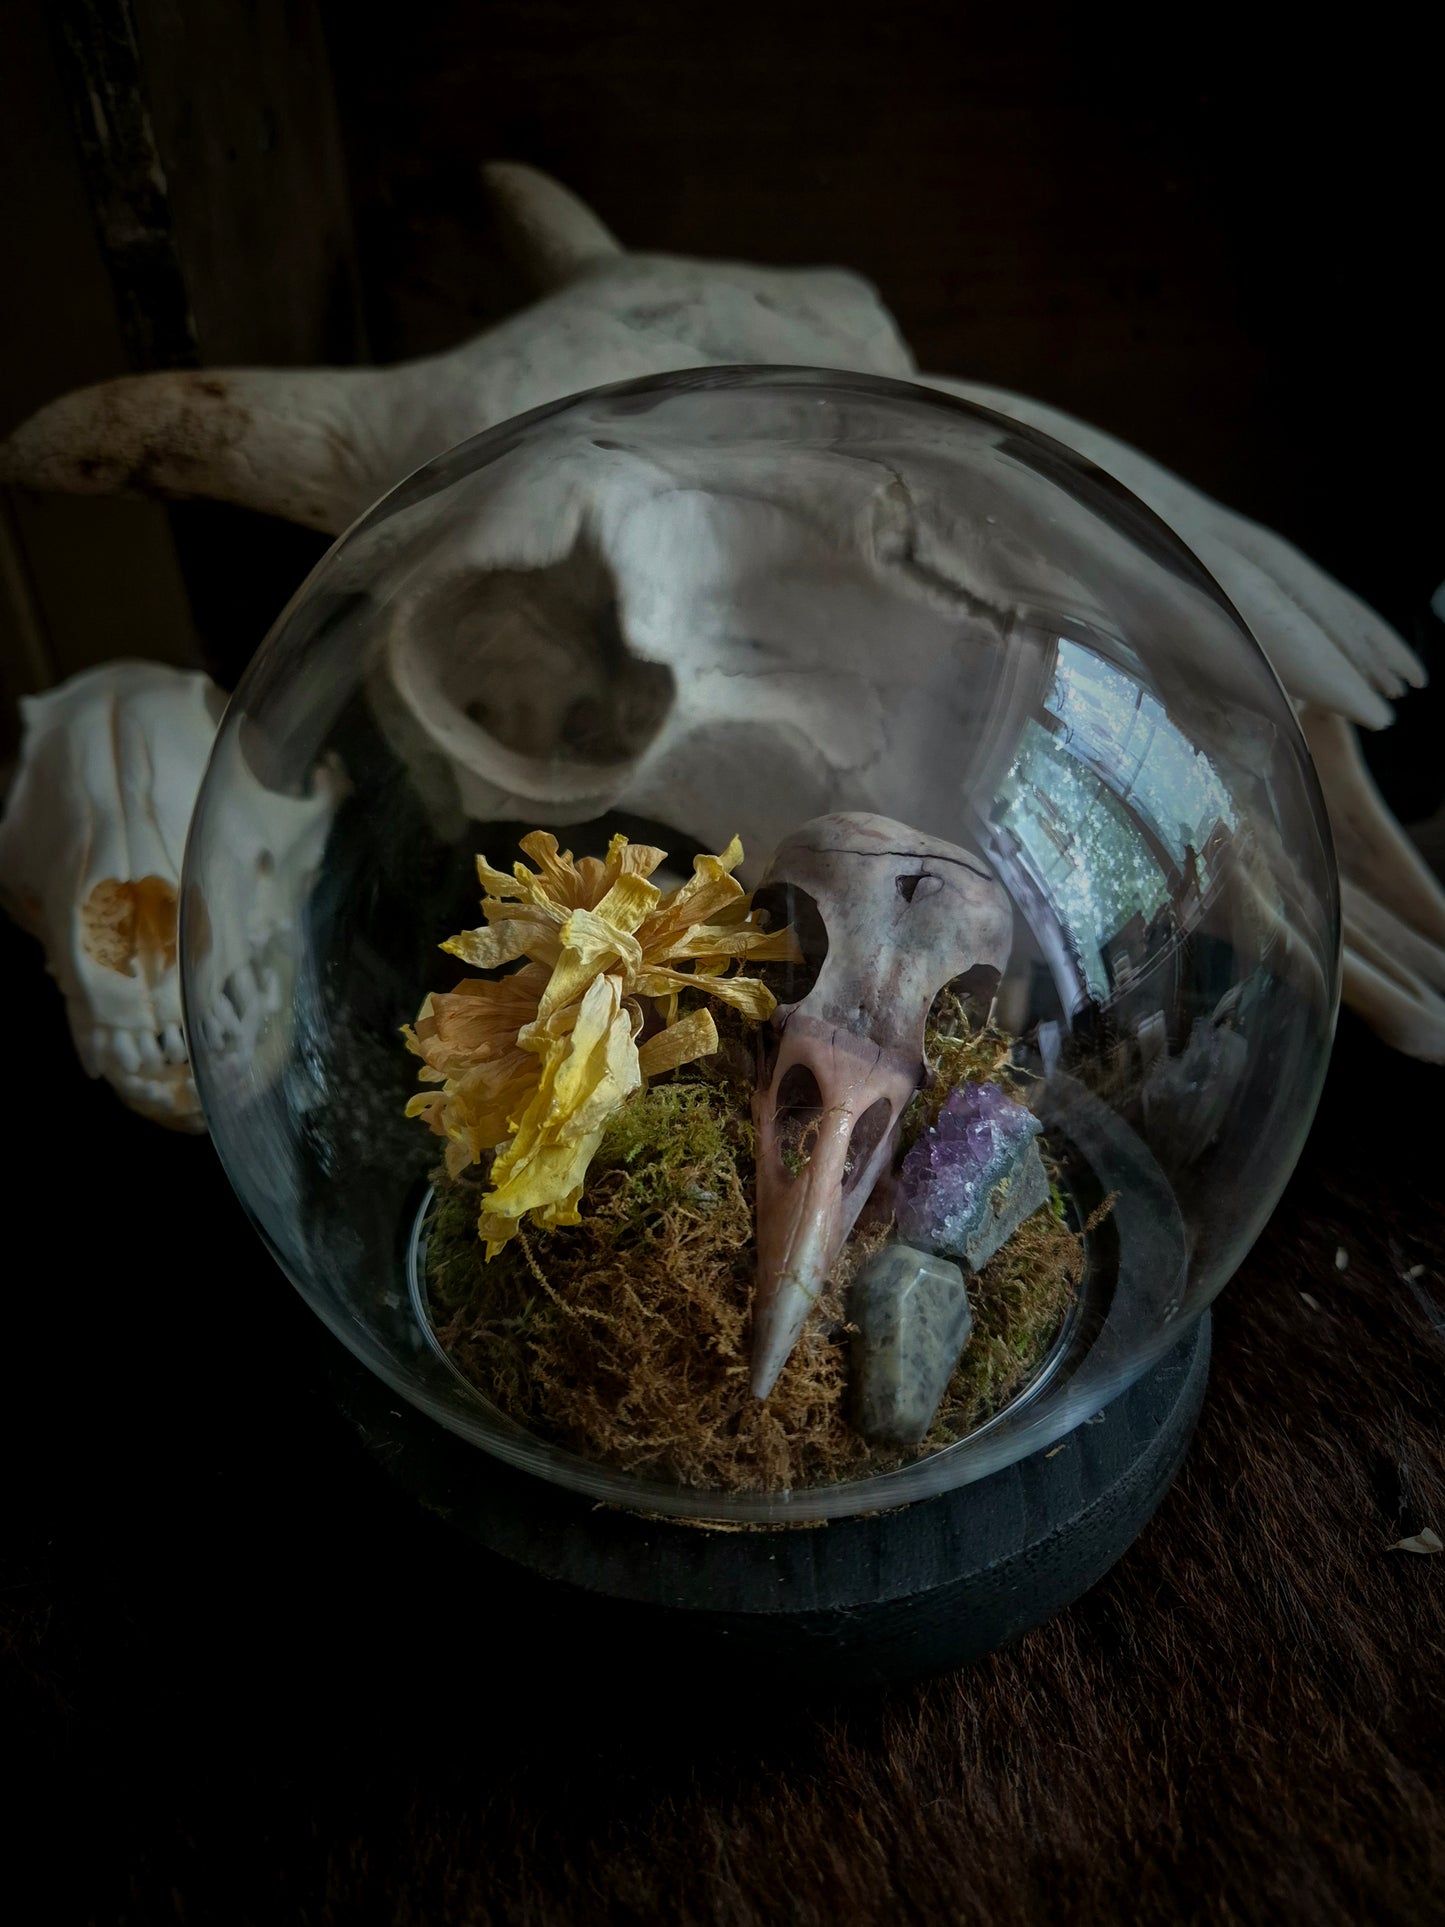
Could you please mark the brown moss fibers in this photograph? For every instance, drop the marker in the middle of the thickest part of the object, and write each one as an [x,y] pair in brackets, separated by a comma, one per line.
[626,1338]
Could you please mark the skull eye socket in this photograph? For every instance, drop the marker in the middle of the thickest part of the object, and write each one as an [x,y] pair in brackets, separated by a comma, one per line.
[781,906]
[970,996]
[868,1134]
[796,1111]
[538,660]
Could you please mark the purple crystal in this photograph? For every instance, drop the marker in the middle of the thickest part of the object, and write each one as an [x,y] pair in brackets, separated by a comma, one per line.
[973,1177]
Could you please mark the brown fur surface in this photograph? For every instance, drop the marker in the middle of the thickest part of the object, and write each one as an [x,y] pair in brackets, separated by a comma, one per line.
[245,1681]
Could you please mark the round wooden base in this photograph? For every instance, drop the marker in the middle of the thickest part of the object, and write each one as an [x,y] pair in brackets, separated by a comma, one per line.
[930,1586]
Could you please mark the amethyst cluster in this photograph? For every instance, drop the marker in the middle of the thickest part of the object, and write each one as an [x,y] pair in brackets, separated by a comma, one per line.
[971,1179]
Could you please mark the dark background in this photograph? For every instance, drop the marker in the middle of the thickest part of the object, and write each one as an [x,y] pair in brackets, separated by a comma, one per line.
[1207,233]
[1211,233]
[244,1680]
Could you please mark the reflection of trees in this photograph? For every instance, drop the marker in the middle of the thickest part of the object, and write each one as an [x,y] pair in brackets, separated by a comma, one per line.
[1181,940]
[1113,822]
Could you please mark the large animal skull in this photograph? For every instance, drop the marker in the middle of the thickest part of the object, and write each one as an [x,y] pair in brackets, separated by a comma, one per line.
[318,445]
[90,860]
[903,914]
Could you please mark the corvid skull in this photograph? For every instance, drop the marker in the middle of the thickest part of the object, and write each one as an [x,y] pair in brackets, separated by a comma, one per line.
[903,914]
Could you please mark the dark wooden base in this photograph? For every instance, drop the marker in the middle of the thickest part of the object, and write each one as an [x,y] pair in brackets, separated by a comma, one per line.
[931,1586]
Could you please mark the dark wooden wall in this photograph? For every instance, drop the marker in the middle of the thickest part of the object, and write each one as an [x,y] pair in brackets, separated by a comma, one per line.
[172,193]
[243,1682]
[1213,241]
[1209,231]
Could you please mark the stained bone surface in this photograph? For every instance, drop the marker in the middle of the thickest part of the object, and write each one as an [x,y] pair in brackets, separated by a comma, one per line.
[90,863]
[318,445]
[90,858]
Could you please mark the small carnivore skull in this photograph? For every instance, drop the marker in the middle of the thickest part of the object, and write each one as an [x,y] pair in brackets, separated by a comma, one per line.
[90,856]
[903,914]
[91,843]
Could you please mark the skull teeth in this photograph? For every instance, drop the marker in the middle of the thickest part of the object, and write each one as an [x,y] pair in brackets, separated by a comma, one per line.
[151,1069]
[150,1073]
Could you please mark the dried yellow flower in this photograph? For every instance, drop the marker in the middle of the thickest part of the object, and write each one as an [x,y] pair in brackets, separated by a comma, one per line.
[533,1065]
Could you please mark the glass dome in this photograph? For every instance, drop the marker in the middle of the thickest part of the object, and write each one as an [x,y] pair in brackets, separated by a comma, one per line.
[723,604]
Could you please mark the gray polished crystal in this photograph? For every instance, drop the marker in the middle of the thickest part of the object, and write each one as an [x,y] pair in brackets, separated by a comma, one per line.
[912,1320]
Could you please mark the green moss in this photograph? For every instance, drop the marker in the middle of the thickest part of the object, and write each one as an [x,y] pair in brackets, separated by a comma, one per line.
[678,1144]
[1019,1300]
[626,1337]
[957,1051]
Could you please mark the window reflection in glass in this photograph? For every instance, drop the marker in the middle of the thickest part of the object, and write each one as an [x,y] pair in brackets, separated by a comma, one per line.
[1120,824]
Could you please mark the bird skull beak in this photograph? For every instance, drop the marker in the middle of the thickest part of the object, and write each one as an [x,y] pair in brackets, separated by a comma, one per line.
[825,1125]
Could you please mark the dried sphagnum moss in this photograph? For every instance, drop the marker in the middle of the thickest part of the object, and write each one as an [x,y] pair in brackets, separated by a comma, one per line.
[625,1338]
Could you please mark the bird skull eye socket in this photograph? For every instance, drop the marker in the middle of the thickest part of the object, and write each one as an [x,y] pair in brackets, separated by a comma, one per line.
[973,993]
[781,906]
[797,1110]
[917,883]
[868,1134]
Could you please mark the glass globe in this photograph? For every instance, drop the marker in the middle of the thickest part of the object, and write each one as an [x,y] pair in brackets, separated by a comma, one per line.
[728,602]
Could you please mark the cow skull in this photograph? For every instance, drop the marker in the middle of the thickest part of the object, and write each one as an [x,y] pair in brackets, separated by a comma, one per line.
[318,445]
[902,914]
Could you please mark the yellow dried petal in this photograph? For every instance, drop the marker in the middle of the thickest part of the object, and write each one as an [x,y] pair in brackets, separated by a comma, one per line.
[684,1042]
[591,946]
[457,1157]
[730,858]
[771,946]
[594,1078]
[558,876]
[631,859]
[501,943]
[495,883]
[628,902]
[709,892]
[496,1232]
[585,1076]
[538,1061]
[478,1022]
[738,940]
[748,994]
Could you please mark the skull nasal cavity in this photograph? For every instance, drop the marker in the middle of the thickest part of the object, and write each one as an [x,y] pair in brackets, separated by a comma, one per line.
[868,1134]
[797,1108]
